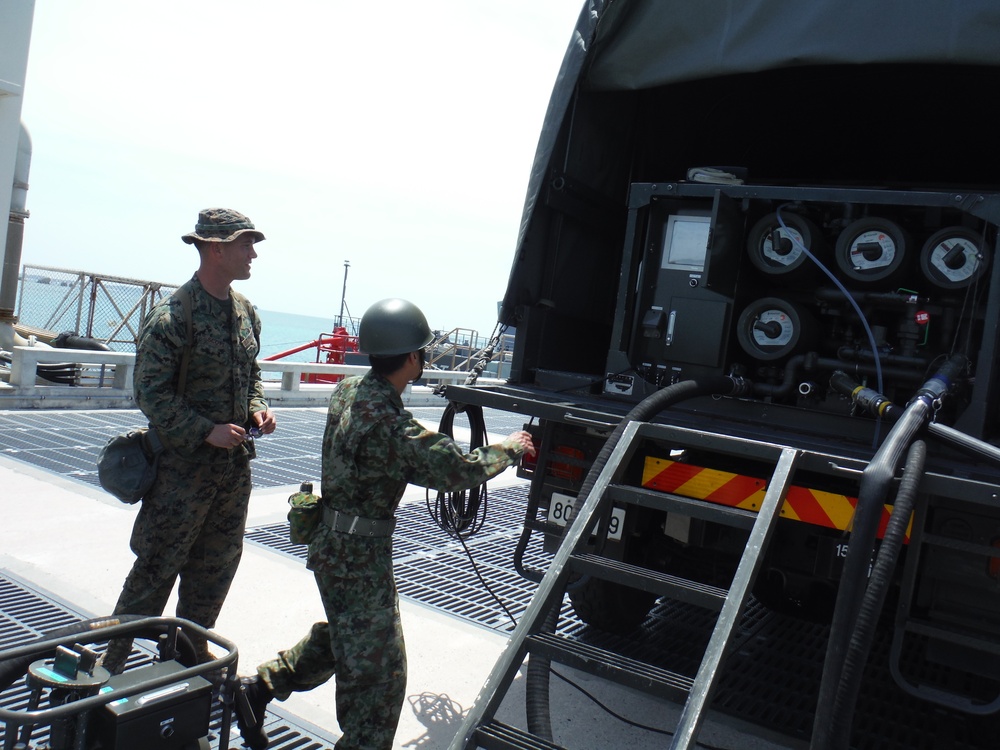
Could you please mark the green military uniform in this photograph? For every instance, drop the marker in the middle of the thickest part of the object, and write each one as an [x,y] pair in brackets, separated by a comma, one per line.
[372,449]
[191,523]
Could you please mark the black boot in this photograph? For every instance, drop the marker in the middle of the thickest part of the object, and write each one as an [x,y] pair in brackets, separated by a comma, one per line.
[116,654]
[252,697]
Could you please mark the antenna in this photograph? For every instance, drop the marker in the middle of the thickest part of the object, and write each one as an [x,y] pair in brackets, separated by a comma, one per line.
[343,294]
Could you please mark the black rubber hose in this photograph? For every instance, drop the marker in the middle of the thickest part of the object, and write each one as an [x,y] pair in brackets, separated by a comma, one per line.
[788,382]
[875,483]
[653,405]
[874,598]
[537,686]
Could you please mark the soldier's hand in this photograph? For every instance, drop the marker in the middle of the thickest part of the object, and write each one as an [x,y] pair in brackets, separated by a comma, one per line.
[226,436]
[523,438]
[266,421]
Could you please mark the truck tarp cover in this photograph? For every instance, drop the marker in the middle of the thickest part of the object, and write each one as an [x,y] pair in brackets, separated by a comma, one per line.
[631,45]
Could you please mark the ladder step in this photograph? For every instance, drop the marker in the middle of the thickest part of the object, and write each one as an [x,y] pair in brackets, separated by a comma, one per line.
[681,589]
[496,735]
[960,545]
[685,506]
[602,663]
[961,638]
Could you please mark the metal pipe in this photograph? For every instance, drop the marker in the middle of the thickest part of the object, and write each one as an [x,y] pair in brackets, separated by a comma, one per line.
[15,228]
[343,294]
[967,443]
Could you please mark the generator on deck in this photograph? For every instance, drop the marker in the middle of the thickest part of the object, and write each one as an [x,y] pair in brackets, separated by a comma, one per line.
[74,703]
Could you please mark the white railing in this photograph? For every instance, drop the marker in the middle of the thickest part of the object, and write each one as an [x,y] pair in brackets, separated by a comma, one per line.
[106,381]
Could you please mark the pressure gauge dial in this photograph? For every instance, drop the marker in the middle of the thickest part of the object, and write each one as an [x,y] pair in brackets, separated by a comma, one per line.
[953,258]
[871,249]
[771,328]
[778,250]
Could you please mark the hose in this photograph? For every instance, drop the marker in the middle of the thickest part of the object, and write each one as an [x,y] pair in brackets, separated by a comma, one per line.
[871,605]
[537,686]
[788,382]
[875,483]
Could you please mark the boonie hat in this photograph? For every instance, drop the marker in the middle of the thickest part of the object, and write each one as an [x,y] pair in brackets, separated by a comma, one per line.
[221,225]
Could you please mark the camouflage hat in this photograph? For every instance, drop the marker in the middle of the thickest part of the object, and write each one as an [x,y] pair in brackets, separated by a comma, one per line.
[221,225]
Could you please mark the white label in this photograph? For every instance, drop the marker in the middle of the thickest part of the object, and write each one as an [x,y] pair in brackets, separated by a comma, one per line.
[872,237]
[562,510]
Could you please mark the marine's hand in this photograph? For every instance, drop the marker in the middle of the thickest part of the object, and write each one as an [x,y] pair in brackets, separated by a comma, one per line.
[266,421]
[523,438]
[226,436]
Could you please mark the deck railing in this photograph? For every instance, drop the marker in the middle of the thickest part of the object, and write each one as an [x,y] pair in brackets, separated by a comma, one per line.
[105,380]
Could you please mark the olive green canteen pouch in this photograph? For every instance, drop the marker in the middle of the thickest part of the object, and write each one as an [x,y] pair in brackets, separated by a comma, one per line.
[304,513]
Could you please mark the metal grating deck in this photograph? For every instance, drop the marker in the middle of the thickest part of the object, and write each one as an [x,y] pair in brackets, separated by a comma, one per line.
[26,614]
[771,680]
[433,569]
[67,442]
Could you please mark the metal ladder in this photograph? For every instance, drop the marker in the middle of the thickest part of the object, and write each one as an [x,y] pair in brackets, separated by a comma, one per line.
[976,648]
[480,729]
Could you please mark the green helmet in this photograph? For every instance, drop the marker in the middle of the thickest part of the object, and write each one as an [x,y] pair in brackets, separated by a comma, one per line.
[393,326]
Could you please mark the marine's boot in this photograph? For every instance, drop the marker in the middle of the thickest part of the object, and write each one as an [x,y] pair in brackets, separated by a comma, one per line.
[250,706]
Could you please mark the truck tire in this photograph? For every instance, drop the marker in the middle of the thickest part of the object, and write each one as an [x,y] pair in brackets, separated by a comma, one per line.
[611,607]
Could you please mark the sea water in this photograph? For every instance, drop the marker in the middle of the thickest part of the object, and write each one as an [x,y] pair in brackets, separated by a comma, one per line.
[53,301]
[280,331]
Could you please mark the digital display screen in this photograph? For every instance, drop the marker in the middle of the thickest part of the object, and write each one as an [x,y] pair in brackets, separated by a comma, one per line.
[685,243]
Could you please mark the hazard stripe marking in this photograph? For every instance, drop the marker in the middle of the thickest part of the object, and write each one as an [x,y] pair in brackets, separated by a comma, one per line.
[803,504]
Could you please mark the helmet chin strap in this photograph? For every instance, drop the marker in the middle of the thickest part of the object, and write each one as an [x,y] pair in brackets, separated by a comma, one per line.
[420,359]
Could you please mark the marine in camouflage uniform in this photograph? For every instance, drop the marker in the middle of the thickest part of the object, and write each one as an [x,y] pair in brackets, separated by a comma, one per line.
[372,448]
[190,524]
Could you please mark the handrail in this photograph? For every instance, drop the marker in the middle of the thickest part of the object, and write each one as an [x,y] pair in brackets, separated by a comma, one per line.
[117,390]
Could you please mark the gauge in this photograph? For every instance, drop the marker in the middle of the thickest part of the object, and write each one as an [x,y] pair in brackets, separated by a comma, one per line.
[771,328]
[953,257]
[871,249]
[778,250]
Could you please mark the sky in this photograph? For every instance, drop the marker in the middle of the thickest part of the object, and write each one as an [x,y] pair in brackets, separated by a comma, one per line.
[393,134]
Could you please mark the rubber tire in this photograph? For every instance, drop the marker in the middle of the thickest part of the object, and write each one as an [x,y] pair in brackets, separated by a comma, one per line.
[611,607]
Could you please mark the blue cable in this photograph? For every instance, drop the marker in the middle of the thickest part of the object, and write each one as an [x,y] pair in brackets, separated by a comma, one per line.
[850,298]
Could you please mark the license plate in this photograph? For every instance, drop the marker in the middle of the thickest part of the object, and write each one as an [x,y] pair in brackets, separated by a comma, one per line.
[562,508]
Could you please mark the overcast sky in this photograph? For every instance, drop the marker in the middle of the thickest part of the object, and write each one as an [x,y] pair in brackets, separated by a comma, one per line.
[394,134]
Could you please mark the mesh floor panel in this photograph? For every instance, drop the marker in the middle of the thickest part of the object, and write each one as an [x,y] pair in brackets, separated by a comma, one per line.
[67,442]
[771,679]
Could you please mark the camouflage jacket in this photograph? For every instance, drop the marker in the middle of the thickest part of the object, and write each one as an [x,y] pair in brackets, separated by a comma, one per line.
[372,449]
[223,378]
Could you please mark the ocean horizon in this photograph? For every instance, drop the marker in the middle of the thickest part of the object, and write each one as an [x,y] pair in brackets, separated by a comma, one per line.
[56,302]
[281,331]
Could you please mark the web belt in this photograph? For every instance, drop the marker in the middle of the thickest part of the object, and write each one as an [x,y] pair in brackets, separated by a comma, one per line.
[349,524]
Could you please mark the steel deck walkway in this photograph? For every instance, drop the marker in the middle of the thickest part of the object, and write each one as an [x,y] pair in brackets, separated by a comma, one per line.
[771,681]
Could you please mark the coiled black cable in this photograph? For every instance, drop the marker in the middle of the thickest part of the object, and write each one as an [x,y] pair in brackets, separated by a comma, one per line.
[461,514]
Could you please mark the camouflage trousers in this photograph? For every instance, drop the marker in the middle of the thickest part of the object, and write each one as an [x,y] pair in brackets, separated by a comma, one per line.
[362,644]
[190,526]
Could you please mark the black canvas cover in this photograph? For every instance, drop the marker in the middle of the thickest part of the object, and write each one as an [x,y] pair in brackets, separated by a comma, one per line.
[646,84]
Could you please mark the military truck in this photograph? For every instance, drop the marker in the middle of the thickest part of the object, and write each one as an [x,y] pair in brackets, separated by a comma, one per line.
[786,215]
